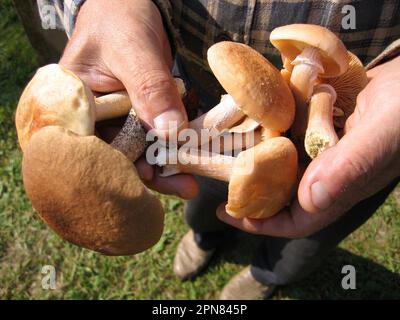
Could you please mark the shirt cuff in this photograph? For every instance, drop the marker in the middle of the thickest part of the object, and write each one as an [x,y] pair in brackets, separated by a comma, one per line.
[390,52]
[165,8]
[66,12]
[70,14]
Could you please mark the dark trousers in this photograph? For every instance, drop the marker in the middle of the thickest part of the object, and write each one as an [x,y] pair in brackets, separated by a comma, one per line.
[277,260]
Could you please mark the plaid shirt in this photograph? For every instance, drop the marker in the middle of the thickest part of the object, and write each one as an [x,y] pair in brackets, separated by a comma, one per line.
[194,25]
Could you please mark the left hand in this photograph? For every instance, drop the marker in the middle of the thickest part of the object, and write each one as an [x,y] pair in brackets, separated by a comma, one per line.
[364,161]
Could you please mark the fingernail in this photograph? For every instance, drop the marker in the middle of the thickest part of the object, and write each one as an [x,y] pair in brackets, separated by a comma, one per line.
[169,121]
[320,196]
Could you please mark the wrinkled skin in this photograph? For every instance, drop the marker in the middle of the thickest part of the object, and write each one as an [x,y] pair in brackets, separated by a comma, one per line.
[123,45]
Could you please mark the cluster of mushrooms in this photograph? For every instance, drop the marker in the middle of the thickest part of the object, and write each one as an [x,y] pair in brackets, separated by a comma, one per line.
[89,192]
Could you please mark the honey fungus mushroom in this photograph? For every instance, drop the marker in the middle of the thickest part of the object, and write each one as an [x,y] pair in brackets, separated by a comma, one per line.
[314,51]
[348,86]
[261,179]
[254,84]
[257,95]
[331,104]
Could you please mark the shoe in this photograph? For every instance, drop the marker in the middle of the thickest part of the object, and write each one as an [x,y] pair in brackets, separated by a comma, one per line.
[243,286]
[190,259]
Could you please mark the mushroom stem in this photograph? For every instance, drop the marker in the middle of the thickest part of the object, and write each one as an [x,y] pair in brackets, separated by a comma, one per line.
[307,66]
[198,162]
[113,105]
[231,142]
[223,116]
[208,158]
[247,125]
[321,133]
[269,134]
[118,104]
[207,161]
[131,140]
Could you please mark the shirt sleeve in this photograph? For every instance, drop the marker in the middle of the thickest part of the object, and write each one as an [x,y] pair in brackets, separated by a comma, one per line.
[390,52]
[66,12]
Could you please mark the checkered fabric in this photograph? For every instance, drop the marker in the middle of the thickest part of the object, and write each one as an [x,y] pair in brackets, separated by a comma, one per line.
[67,11]
[194,25]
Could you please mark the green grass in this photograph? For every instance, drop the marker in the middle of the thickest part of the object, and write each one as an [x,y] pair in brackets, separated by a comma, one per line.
[26,244]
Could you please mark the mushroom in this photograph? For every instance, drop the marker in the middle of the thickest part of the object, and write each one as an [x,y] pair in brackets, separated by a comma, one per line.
[335,98]
[233,142]
[256,90]
[242,136]
[257,94]
[85,189]
[314,51]
[89,193]
[56,96]
[320,133]
[287,69]
[247,125]
[261,179]
[223,116]
[255,85]
[348,86]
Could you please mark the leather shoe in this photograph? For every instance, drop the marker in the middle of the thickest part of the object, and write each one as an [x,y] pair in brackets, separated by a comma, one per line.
[243,286]
[190,259]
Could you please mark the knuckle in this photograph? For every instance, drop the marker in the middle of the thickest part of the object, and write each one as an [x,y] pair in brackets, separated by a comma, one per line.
[358,167]
[153,83]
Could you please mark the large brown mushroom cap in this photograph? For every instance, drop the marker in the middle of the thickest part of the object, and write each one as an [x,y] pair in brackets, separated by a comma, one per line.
[265,190]
[348,86]
[90,193]
[292,39]
[254,83]
[55,96]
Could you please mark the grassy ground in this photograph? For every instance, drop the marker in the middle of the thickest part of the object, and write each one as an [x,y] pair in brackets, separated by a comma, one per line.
[26,244]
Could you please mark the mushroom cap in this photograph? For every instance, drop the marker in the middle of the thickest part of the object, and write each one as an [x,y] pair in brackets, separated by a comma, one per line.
[268,187]
[55,96]
[254,83]
[292,39]
[348,86]
[89,193]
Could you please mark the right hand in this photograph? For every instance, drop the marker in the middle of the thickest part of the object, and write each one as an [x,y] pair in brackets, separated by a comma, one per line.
[120,45]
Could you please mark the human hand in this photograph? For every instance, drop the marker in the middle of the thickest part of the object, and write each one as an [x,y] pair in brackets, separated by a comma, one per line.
[120,45]
[365,160]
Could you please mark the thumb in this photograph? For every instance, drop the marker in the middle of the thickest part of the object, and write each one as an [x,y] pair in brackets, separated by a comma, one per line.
[154,94]
[346,173]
